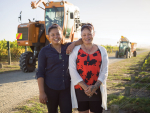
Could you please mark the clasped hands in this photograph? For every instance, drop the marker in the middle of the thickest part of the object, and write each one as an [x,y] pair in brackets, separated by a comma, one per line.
[90,90]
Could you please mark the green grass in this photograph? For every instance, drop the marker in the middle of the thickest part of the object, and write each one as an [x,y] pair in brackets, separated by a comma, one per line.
[31,106]
[10,66]
[126,78]
[144,73]
[14,66]
[132,85]
[119,77]
[143,79]
[127,66]
[133,104]
[33,109]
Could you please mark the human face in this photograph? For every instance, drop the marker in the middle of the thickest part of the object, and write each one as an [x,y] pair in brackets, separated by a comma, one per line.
[55,36]
[87,36]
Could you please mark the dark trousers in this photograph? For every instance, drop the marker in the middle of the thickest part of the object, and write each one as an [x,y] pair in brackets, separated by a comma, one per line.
[58,97]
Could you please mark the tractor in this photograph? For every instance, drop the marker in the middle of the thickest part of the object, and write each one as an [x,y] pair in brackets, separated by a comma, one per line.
[35,34]
[126,48]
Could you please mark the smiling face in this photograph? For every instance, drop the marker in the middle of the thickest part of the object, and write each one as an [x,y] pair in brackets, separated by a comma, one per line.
[55,36]
[87,36]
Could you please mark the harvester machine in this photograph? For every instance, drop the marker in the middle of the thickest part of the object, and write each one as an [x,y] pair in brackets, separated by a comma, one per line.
[126,48]
[35,34]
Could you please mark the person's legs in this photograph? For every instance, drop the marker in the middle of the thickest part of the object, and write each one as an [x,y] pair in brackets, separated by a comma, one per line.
[83,107]
[95,106]
[53,99]
[65,101]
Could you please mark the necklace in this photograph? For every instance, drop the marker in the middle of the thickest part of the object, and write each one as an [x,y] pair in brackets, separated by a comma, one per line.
[60,57]
[88,51]
[60,54]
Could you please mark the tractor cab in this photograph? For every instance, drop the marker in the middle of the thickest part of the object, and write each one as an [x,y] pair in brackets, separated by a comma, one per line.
[54,15]
[66,15]
[124,45]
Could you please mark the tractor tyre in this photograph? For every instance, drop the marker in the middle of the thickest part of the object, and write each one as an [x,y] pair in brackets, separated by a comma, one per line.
[117,54]
[25,66]
[127,54]
[134,53]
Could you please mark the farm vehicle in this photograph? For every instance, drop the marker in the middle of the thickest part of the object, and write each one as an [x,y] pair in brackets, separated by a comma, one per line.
[126,48]
[35,34]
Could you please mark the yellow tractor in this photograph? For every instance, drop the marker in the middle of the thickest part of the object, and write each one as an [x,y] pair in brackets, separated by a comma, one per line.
[35,34]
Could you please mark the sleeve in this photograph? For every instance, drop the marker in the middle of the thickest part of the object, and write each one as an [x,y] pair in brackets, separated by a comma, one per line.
[41,64]
[75,77]
[104,68]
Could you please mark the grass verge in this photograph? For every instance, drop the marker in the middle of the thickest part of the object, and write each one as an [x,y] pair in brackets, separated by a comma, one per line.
[31,106]
[120,77]
[13,67]
[133,104]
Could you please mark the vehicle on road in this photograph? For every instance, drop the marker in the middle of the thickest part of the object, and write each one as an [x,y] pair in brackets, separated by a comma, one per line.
[126,48]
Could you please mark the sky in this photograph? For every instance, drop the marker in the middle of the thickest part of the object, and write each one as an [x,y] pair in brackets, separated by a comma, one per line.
[111,19]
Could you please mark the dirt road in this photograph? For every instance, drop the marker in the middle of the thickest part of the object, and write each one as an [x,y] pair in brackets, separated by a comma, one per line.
[16,87]
[113,59]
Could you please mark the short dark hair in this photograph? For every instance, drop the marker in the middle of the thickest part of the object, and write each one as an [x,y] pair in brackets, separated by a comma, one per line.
[89,26]
[54,26]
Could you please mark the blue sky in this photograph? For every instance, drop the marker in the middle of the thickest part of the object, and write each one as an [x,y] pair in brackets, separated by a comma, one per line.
[111,18]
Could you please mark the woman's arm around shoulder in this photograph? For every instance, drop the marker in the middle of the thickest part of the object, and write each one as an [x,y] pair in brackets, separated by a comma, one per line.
[72,45]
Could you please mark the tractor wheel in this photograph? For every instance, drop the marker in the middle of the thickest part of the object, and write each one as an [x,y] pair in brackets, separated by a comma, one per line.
[127,54]
[25,66]
[117,54]
[134,53]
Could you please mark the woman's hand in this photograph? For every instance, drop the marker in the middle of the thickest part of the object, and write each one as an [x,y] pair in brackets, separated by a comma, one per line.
[43,98]
[70,48]
[91,90]
[72,45]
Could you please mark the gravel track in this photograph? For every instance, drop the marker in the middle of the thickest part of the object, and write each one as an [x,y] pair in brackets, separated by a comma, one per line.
[16,87]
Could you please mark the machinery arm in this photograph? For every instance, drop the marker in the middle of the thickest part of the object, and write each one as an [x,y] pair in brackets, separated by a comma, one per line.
[34,5]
